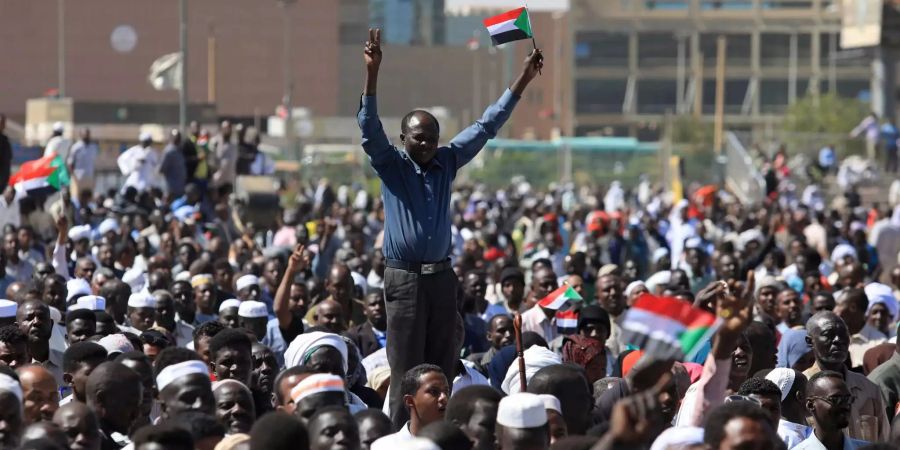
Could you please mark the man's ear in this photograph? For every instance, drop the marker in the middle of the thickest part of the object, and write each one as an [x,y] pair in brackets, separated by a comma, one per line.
[68,379]
[809,341]
[402,138]
[409,401]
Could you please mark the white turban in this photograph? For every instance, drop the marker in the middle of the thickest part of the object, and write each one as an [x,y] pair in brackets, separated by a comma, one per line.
[536,358]
[303,345]
[883,294]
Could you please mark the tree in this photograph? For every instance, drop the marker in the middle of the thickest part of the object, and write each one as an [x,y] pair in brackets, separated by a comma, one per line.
[830,114]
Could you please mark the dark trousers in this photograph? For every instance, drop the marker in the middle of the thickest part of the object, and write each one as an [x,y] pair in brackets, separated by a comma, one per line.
[890,163]
[421,328]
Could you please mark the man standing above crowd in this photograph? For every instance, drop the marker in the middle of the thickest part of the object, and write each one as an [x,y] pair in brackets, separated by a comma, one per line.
[419,286]
[81,164]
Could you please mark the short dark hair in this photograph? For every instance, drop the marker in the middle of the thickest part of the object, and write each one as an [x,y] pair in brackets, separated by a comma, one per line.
[278,431]
[575,443]
[167,435]
[80,353]
[171,356]
[820,375]
[446,435]
[462,404]
[410,382]
[207,329]
[199,424]
[83,314]
[404,124]
[133,355]
[373,414]
[759,386]
[714,428]
[10,334]
[230,338]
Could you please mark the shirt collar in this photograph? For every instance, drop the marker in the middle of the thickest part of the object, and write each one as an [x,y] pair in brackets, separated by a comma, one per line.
[435,163]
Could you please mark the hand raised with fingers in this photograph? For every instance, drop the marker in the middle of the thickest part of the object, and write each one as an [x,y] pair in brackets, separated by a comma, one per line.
[736,310]
[372,52]
[636,417]
[297,262]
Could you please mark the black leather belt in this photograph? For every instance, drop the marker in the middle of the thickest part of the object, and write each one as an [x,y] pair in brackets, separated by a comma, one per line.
[419,268]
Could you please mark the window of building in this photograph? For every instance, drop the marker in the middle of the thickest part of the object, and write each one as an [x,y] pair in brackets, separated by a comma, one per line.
[775,49]
[599,96]
[598,48]
[735,92]
[737,50]
[656,96]
[773,96]
[657,49]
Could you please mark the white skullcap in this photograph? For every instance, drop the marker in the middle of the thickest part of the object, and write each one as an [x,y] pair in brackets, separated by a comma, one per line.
[678,437]
[660,278]
[185,214]
[749,236]
[536,358]
[8,308]
[89,302]
[522,410]
[116,343]
[632,286]
[223,383]
[550,402]
[842,251]
[141,300]
[253,309]
[303,345]
[80,232]
[108,225]
[176,371]
[660,253]
[693,242]
[184,275]
[230,303]
[783,378]
[247,281]
[316,384]
[883,294]
[134,278]
[77,286]
[58,127]
[9,384]
[145,136]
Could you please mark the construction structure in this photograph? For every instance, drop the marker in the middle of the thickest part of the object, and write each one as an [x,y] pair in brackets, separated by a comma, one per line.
[637,60]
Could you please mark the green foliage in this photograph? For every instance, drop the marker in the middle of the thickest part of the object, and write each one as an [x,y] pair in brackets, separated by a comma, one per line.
[692,131]
[831,114]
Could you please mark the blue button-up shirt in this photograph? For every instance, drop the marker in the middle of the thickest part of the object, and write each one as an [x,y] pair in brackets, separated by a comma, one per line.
[416,199]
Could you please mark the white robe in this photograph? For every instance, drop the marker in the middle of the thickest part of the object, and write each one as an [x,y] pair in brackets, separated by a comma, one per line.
[139,165]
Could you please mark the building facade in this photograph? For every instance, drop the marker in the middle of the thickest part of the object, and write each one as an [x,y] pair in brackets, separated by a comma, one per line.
[637,60]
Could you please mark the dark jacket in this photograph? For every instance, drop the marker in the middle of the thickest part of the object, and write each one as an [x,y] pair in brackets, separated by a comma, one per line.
[364,338]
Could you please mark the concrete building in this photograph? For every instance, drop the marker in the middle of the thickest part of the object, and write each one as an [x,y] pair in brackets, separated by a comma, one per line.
[635,60]
[409,22]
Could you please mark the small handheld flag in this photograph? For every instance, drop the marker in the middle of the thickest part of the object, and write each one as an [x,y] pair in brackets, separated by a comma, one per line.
[560,298]
[668,327]
[41,176]
[510,26]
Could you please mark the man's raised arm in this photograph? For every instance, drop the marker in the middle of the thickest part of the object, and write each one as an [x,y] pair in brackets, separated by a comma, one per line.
[374,140]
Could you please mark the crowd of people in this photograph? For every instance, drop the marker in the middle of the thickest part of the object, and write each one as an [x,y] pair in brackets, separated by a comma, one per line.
[154,317]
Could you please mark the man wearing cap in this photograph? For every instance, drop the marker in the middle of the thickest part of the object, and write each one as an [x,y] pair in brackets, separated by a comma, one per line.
[57,144]
[254,316]
[141,313]
[315,392]
[204,298]
[247,288]
[80,163]
[587,347]
[512,285]
[522,423]
[181,375]
[8,310]
[228,313]
[139,164]
[11,412]
[75,289]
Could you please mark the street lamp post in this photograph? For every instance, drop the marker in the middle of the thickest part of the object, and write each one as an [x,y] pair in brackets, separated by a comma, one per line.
[288,79]
[182,93]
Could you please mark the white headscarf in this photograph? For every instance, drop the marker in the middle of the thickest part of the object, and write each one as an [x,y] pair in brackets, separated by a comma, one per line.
[304,344]
[536,358]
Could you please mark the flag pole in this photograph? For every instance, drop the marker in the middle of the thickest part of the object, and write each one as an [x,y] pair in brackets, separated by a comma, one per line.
[517,329]
[533,43]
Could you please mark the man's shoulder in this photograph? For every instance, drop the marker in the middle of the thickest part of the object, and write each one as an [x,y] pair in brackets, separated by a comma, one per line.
[886,372]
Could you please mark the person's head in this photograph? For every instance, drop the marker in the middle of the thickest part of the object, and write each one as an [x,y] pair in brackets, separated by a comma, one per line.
[106,325]
[298,297]
[231,355]
[316,391]
[141,310]
[265,367]
[183,294]
[852,275]
[166,436]
[79,424]
[474,410]
[339,284]
[425,392]
[333,428]
[500,331]
[828,400]
[789,307]
[569,384]
[374,309]
[182,380]
[475,285]
[204,428]
[11,412]
[372,425]
[248,288]
[419,134]
[254,317]
[204,293]
[165,309]
[739,425]
[79,361]
[228,313]
[512,284]
[13,347]
[557,425]
[114,392]
[279,431]
[141,364]
[85,268]
[41,396]
[822,301]
[285,381]
[762,341]
[851,306]
[727,267]
[543,282]
[766,393]
[610,295]
[116,294]
[330,316]
[792,385]
[522,423]
[829,339]
[202,335]
[234,406]
[593,322]
[43,435]
[446,436]
[741,361]
[34,321]
[81,325]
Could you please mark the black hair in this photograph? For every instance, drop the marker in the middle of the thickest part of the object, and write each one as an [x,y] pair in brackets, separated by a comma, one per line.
[290,371]
[207,329]
[103,316]
[373,414]
[342,410]
[199,424]
[83,314]
[230,338]
[813,380]
[404,124]
[8,371]
[278,431]
[759,386]
[446,435]
[718,418]
[462,404]
[11,335]
[114,378]
[167,435]
[411,380]
[134,356]
[575,443]
[171,356]
[155,338]
[81,352]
